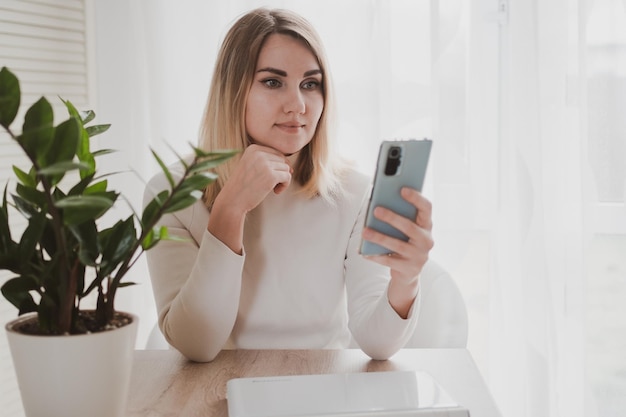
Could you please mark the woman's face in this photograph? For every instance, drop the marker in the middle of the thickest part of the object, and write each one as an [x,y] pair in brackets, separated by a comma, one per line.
[286,100]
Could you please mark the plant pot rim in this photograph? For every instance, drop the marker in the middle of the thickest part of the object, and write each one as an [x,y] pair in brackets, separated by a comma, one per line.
[11,326]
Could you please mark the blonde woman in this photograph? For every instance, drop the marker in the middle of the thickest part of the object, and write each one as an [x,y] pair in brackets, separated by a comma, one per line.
[270,257]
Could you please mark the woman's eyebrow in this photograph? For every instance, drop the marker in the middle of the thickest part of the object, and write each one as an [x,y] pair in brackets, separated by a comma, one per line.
[284,73]
[273,71]
[313,72]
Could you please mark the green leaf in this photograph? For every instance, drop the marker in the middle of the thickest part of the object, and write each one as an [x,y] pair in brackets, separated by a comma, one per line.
[86,234]
[117,244]
[202,166]
[32,195]
[30,239]
[71,109]
[28,179]
[65,142]
[48,241]
[38,131]
[87,116]
[164,232]
[82,185]
[212,161]
[9,97]
[82,149]
[215,154]
[96,130]
[61,168]
[150,240]
[201,154]
[126,284]
[150,212]
[25,208]
[99,187]
[17,292]
[164,168]
[36,142]
[181,202]
[86,202]
[89,161]
[77,209]
[101,152]
[154,236]
[196,182]
[8,259]
[39,115]
[6,241]
[184,195]
[84,154]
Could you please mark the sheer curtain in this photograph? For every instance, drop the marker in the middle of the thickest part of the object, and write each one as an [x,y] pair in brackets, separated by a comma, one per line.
[499,86]
[536,357]
[508,92]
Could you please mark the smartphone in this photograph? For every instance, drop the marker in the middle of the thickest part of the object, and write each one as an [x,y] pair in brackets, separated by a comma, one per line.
[400,164]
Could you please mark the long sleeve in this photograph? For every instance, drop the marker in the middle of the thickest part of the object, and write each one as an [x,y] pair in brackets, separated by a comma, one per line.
[376,327]
[196,281]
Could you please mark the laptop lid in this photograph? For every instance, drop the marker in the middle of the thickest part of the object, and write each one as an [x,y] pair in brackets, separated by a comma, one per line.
[396,393]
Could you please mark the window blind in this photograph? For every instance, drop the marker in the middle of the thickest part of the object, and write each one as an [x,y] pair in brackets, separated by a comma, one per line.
[46,43]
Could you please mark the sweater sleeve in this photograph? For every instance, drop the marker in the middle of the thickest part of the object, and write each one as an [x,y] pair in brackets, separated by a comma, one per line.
[196,281]
[376,327]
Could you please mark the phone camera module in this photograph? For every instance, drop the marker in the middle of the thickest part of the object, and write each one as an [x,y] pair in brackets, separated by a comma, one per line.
[394,156]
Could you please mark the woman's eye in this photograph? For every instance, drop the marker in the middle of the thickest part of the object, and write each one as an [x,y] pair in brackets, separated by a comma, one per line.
[271,83]
[311,85]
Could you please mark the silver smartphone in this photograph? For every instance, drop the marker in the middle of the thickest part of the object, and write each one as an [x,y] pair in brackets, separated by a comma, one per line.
[400,164]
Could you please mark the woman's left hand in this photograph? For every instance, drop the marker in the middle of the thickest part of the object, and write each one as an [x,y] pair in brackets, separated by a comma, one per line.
[408,258]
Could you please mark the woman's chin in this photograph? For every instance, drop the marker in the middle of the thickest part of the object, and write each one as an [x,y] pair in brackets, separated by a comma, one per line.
[288,150]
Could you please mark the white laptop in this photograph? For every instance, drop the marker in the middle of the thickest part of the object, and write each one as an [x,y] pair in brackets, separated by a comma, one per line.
[364,394]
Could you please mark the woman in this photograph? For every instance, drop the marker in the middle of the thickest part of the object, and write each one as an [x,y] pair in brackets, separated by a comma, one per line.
[270,257]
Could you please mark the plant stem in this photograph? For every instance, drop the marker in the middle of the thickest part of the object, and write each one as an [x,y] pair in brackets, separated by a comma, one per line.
[64,311]
[125,267]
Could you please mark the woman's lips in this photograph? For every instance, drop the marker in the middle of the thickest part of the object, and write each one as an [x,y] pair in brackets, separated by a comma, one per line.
[290,127]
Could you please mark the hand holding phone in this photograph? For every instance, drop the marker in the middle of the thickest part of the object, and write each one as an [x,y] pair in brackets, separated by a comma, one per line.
[400,164]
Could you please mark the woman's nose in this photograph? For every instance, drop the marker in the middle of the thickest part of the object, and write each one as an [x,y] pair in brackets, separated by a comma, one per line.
[294,102]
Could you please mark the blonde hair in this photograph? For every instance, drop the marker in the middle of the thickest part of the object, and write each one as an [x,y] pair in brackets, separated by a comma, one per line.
[223,124]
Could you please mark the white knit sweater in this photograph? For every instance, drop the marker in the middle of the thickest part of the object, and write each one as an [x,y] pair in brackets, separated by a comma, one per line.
[300,283]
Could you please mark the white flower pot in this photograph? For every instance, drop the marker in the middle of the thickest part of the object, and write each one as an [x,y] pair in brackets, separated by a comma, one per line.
[73,376]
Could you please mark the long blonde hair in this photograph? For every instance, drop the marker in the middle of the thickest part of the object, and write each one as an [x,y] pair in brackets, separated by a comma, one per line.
[223,125]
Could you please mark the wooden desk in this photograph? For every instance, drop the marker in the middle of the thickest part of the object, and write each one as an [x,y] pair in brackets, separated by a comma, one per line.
[164,383]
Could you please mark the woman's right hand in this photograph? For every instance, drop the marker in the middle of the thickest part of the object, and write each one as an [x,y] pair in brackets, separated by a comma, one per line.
[259,171]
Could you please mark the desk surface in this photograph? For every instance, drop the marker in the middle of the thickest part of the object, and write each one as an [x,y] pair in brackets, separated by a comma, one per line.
[164,383]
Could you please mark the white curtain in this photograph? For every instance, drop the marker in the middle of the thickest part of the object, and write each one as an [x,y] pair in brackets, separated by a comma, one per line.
[498,85]
[536,346]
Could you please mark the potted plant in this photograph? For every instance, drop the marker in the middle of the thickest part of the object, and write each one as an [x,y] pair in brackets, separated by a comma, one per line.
[69,360]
